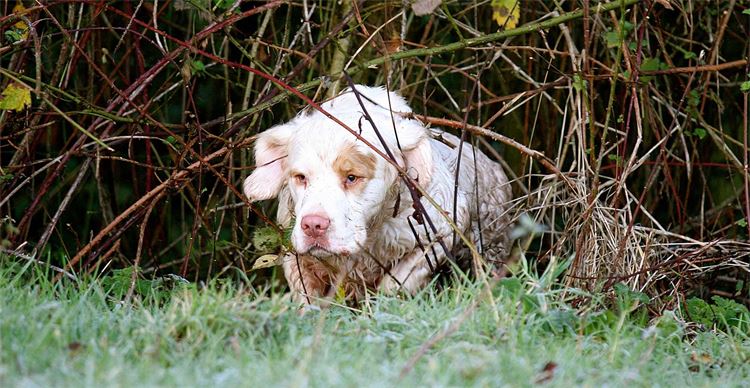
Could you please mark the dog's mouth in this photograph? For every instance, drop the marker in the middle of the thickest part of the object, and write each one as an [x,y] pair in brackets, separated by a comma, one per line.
[323,251]
[318,250]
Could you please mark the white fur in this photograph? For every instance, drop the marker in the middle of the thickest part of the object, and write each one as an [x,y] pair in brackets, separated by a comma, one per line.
[366,246]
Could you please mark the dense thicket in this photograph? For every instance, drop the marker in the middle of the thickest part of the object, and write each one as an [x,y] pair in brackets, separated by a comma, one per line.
[629,120]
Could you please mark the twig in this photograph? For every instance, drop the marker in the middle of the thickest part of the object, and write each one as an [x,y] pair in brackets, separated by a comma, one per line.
[698,69]
[62,206]
[175,180]
[139,250]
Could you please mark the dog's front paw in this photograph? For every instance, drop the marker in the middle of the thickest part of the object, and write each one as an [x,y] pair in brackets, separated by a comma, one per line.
[390,286]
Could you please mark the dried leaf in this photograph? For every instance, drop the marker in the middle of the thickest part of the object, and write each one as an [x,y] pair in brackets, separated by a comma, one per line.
[393,45]
[506,13]
[15,97]
[702,358]
[340,295]
[547,373]
[74,346]
[665,4]
[424,7]
[267,261]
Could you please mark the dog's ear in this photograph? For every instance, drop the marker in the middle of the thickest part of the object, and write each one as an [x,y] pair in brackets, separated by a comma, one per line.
[417,151]
[271,149]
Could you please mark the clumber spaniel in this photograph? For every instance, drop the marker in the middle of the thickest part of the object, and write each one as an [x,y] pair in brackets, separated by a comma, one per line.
[354,224]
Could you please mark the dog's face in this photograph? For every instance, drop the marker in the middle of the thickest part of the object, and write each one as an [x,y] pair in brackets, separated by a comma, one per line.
[339,188]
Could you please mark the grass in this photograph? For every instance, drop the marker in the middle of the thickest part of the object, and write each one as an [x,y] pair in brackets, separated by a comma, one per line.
[224,334]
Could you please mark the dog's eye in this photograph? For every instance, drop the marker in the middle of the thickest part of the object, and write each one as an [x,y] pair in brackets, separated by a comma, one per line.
[352,179]
[300,178]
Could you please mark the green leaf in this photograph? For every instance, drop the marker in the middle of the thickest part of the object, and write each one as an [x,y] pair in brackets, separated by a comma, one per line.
[732,312]
[266,239]
[615,158]
[15,97]
[579,83]
[197,66]
[626,295]
[13,35]
[512,286]
[287,239]
[693,98]
[699,311]
[741,223]
[119,281]
[745,87]
[700,132]
[613,39]
[723,312]
[224,4]
[669,325]
[746,12]
[649,64]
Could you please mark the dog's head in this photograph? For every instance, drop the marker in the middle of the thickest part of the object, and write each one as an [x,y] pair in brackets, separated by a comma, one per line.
[339,187]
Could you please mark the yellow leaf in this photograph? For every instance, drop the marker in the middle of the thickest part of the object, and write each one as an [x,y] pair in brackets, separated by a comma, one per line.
[340,294]
[506,13]
[15,97]
[267,261]
[22,29]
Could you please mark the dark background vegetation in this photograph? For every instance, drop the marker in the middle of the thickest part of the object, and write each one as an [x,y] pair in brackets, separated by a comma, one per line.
[639,110]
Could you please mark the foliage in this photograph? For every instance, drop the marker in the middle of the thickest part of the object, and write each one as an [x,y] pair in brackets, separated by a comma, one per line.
[722,313]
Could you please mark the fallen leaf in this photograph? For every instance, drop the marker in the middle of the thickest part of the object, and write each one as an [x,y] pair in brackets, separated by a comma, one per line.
[75,347]
[506,13]
[15,97]
[703,358]
[547,373]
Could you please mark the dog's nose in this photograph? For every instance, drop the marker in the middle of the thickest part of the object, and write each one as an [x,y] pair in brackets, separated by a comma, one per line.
[314,225]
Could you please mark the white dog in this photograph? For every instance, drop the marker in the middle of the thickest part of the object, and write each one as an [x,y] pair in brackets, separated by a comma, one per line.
[354,223]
